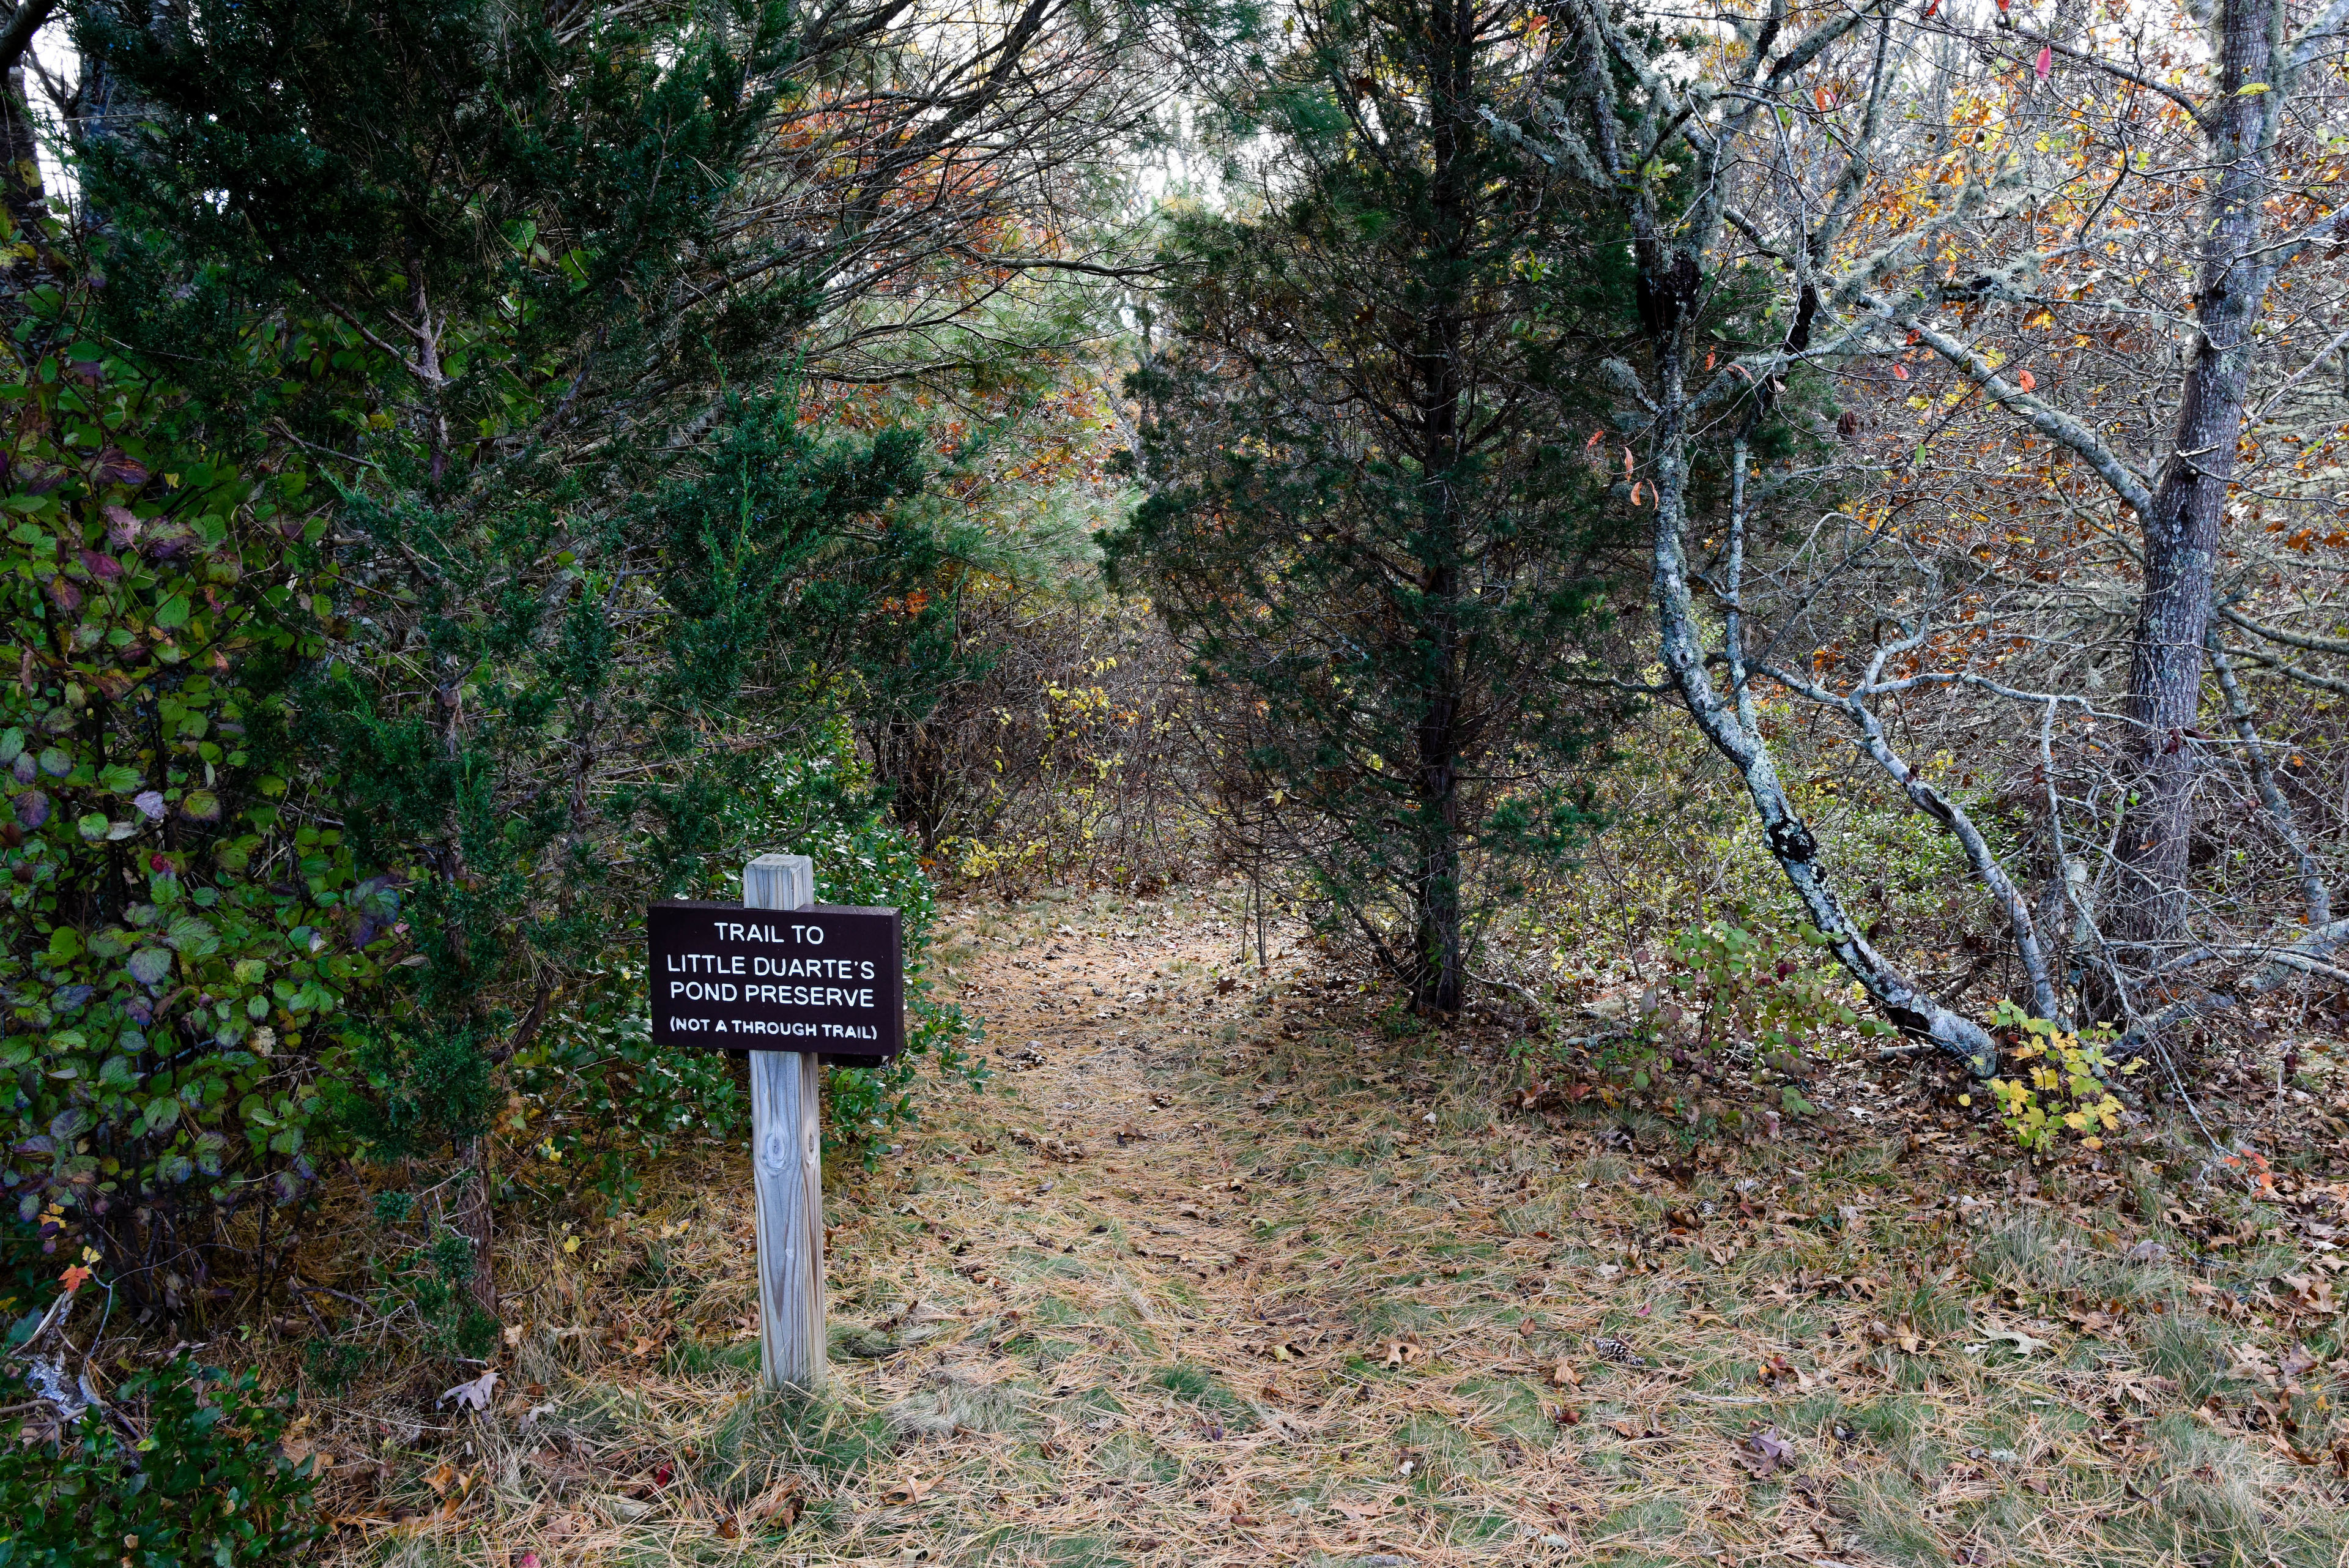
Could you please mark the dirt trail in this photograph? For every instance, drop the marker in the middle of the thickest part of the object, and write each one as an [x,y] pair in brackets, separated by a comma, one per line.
[1194,1270]
[1230,1268]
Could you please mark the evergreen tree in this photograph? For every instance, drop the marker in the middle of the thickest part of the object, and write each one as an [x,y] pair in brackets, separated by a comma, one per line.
[529,287]
[1368,519]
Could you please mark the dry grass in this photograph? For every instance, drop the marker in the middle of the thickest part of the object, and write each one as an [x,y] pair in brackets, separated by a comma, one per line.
[1238,1279]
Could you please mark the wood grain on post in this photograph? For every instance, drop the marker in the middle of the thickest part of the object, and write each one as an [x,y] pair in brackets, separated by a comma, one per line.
[787,1145]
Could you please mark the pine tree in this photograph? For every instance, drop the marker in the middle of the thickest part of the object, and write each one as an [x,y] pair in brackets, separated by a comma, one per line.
[1369,519]
[529,288]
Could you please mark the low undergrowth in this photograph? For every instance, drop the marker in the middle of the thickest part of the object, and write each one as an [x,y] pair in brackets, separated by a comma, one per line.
[1218,1270]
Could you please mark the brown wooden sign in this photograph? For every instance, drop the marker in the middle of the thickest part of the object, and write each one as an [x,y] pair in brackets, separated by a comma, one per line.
[828,979]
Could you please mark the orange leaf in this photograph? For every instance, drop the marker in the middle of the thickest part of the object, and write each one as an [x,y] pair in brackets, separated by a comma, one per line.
[2025,379]
[74,1278]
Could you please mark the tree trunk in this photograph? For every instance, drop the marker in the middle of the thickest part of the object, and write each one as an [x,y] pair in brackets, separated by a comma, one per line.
[1436,981]
[20,144]
[473,1220]
[1443,390]
[25,198]
[1670,279]
[2182,531]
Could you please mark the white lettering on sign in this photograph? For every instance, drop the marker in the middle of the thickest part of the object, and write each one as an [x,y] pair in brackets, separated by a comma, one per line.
[774,1027]
[753,964]
[754,932]
[819,978]
[781,995]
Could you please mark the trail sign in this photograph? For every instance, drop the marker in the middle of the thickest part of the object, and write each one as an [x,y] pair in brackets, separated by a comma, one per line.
[787,980]
[827,979]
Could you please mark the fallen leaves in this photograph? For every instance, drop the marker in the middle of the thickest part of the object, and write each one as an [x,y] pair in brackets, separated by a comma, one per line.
[472,1395]
[2307,1294]
[1764,1453]
[1290,1333]
[1064,1151]
[1273,1349]
[781,1505]
[1903,1335]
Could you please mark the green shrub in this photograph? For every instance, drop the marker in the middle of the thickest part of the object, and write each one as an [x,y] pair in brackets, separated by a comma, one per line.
[182,938]
[605,1102]
[2060,1082]
[206,1483]
[1743,995]
[871,863]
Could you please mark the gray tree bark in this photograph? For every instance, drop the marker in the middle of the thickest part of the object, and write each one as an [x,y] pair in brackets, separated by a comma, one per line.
[2182,528]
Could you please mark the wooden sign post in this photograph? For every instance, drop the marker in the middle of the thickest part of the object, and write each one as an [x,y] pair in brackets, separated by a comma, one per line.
[826,983]
[787,1145]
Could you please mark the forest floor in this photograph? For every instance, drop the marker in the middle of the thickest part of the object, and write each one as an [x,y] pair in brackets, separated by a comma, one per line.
[1221,1267]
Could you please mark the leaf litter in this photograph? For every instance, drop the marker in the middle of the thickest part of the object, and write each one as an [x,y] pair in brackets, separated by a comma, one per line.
[1202,1283]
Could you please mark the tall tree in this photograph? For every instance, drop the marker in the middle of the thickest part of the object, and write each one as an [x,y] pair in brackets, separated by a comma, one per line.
[548,294]
[1364,524]
[2026,208]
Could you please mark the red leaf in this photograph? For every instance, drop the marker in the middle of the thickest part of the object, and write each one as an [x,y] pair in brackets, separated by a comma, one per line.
[1901,371]
[2046,60]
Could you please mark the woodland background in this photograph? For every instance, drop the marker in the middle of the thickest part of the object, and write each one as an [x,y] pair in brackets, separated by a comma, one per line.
[1709,541]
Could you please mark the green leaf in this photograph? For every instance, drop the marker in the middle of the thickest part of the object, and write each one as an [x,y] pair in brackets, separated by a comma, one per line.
[190,934]
[64,945]
[120,780]
[173,613]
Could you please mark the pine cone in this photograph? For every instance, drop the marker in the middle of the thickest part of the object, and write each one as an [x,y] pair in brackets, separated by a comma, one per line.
[1616,1351]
